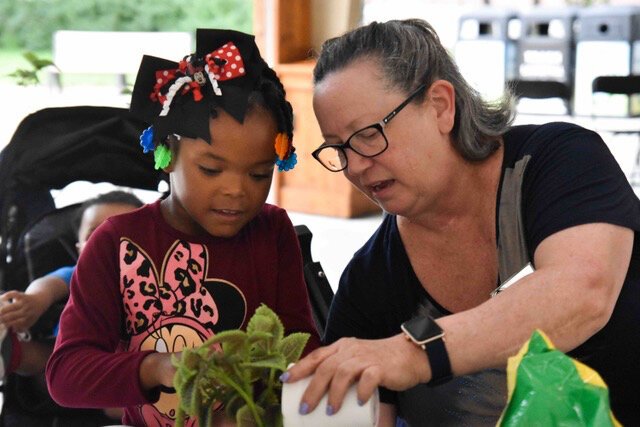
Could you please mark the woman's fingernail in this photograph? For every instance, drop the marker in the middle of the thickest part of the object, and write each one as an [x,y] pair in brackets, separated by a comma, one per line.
[284,377]
[330,410]
[304,409]
[361,402]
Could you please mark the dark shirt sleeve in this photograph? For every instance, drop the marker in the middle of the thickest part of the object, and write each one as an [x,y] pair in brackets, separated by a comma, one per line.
[573,179]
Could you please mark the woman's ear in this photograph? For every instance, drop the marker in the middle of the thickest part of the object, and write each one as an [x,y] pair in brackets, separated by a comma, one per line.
[442,96]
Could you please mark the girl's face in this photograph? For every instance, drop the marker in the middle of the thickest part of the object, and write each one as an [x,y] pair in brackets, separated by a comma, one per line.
[218,188]
[416,168]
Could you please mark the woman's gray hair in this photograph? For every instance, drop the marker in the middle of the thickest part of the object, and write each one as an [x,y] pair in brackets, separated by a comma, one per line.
[410,53]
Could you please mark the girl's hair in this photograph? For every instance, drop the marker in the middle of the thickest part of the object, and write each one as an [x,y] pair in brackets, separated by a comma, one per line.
[409,53]
[270,93]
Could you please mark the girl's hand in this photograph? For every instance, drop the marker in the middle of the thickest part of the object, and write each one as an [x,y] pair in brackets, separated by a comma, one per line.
[20,311]
[394,363]
[157,370]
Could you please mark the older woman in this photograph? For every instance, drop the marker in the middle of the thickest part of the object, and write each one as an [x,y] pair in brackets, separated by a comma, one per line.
[471,201]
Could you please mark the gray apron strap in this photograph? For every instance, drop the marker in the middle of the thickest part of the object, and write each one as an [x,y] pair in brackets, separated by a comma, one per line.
[512,248]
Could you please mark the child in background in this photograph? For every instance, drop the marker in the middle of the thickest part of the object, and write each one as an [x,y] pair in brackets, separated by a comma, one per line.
[178,271]
[19,311]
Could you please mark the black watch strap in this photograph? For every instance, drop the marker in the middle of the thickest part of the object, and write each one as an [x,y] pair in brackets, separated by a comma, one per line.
[438,361]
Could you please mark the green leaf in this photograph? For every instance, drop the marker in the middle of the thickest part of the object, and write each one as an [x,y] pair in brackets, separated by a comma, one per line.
[231,335]
[244,417]
[266,320]
[292,346]
[261,343]
[25,77]
[276,361]
[37,62]
[233,405]
[237,346]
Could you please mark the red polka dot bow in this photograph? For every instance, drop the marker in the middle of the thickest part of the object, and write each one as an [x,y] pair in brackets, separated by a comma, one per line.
[224,63]
[231,62]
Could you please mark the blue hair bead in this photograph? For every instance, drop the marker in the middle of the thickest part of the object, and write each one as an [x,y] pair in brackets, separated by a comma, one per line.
[288,164]
[146,140]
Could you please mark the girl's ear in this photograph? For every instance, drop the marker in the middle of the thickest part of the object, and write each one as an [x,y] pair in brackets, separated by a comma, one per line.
[172,142]
[169,167]
[442,95]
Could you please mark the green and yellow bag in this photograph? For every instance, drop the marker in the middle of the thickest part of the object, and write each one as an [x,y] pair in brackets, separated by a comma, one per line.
[548,388]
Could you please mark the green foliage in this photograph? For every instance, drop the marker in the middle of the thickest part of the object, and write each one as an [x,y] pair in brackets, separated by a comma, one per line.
[30,24]
[26,77]
[243,376]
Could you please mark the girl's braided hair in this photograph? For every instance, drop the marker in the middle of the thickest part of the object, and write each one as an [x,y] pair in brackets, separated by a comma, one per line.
[274,97]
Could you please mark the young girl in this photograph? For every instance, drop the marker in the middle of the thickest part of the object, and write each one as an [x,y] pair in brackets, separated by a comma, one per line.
[200,261]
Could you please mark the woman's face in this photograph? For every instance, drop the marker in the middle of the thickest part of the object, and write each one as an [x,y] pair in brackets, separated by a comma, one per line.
[217,189]
[411,174]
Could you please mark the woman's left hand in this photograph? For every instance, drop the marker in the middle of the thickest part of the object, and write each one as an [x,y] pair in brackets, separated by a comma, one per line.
[394,363]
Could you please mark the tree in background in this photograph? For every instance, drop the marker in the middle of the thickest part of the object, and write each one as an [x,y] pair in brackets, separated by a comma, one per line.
[30,24]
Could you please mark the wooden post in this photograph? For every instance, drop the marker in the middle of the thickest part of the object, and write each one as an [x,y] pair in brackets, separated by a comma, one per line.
[283,29]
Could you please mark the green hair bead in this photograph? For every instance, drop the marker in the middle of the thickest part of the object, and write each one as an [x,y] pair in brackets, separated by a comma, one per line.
[162,156]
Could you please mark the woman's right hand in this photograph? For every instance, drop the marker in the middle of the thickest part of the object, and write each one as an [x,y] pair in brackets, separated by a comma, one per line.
[394,363]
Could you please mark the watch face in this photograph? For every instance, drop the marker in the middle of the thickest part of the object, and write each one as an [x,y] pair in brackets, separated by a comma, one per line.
[422,329]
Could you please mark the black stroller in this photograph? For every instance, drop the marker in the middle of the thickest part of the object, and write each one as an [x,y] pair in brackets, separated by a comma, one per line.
[50,149]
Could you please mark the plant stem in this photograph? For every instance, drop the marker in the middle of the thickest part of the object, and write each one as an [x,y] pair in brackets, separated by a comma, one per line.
[249,401]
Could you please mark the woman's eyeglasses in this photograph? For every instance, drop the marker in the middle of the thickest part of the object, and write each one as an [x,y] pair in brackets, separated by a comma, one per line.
[369,141]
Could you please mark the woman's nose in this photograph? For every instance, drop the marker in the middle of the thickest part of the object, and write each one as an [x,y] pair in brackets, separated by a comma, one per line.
[356,163]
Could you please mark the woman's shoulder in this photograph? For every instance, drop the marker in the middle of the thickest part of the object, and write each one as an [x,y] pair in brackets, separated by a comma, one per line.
[547,139]
[550,130]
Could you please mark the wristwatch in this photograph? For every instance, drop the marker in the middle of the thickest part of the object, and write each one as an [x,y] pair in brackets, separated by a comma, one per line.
[425,333]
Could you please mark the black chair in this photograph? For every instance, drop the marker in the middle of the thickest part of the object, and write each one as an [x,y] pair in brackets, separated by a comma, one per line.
[625,85]
[622,85]
[320,292]
[542,89]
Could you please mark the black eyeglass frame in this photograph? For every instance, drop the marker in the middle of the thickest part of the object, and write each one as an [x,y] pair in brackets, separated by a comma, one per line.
[378,126]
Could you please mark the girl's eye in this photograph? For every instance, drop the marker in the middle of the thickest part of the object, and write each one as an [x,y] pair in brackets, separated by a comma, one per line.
[209,171]
[260,176]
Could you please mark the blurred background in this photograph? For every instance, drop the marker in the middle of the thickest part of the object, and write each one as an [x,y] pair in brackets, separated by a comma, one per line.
[549,51]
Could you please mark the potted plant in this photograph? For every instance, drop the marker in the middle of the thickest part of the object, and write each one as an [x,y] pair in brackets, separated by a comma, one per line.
[240,370]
